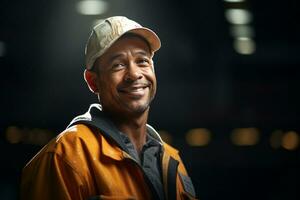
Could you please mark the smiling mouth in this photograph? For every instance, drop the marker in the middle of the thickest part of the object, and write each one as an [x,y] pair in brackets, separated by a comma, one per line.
[135,91]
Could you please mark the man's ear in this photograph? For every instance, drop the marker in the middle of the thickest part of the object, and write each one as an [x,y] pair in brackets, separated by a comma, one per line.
[91,78]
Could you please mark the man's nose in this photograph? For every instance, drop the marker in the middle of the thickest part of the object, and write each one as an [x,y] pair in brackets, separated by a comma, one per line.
[133,72]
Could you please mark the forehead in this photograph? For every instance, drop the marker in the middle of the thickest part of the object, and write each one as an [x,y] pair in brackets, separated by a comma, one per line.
[128,43]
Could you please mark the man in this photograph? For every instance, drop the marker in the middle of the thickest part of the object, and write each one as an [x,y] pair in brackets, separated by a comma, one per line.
[111,152]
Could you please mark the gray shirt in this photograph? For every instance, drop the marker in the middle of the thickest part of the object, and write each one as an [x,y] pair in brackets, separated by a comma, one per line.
[149,160]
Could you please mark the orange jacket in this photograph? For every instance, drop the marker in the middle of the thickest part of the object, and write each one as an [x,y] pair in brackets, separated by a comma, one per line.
[82,164]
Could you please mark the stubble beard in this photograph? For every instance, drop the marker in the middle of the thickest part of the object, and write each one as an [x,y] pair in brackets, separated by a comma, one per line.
[139,109]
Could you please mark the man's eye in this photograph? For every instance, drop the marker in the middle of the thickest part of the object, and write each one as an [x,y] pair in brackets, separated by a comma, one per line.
[143,61]
[118,65]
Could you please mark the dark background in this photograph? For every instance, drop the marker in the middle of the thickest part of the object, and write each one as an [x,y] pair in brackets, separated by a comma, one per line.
[202,83]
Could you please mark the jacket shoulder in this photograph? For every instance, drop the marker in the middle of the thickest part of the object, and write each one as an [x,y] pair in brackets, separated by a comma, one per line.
[171,151]
[74,132]
[69,144]
[73,139]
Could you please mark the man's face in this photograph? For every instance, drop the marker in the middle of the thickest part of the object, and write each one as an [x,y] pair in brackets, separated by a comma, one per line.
[126,80]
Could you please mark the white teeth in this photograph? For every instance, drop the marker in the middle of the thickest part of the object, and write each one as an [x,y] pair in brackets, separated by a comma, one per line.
[137,89]
[133,89]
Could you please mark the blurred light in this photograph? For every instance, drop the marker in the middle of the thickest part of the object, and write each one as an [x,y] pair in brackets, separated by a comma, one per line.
[244,45]
[92,7]
[37,136]
[96,22]
[234,1]
[245,136]
[30,136]
[2,49]
[238,16]
[13,135]
[198,137]
[290,140]
[276,139]
[40,136]
[241,31]
[165,136]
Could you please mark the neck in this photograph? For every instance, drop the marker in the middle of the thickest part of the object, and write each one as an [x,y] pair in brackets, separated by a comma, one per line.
[134,127]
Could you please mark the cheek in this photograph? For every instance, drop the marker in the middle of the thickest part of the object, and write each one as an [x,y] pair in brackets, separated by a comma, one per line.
[109,83]
[151,77]
[154,87]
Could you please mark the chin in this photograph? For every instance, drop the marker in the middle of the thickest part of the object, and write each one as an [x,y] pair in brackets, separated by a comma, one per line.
[138,109]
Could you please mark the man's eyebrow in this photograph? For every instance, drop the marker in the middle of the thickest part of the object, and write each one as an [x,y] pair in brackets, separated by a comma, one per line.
[138,52]
[142,52]
[115,56]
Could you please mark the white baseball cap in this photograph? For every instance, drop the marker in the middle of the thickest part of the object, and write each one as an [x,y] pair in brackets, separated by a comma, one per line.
[110,30]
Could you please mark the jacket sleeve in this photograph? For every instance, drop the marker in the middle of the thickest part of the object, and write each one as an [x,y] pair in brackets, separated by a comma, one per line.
[50,177]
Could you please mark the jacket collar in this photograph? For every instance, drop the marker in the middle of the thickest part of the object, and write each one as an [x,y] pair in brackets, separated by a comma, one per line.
[97,119]
[111,150]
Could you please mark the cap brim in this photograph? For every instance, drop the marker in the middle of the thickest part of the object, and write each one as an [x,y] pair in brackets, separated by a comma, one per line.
[149,35]
[146,33]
